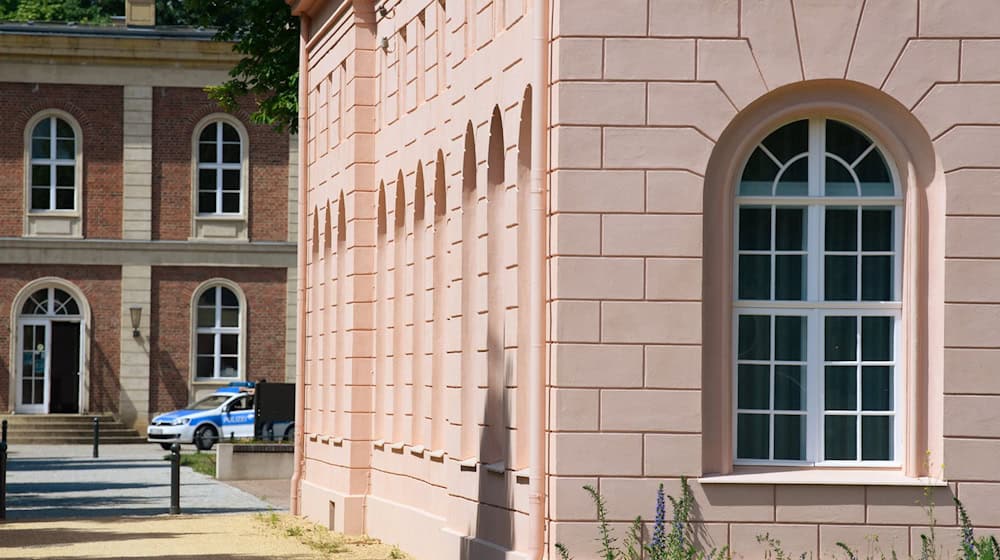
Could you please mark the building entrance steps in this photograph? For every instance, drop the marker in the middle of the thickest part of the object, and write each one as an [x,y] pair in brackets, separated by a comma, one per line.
[67,429]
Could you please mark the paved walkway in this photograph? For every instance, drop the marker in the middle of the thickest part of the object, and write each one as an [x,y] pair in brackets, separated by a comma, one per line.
[64,481]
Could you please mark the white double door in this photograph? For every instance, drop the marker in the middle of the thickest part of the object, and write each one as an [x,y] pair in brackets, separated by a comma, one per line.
[35,366]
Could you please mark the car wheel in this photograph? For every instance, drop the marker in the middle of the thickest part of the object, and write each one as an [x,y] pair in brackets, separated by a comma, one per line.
[166,446]
[204,437]
[289,434]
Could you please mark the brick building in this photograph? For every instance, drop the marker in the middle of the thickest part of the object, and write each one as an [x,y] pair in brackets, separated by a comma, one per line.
[550,243]
[146,237]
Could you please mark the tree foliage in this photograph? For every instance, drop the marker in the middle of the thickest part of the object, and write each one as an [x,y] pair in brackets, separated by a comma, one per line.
[264,32]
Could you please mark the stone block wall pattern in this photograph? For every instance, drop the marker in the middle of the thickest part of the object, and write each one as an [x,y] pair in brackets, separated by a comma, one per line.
[652,108]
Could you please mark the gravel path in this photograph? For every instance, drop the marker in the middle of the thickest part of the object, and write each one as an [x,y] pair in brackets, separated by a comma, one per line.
[63,481]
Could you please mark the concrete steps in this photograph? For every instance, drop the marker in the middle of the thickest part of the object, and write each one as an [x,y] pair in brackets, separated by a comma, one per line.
[52,429]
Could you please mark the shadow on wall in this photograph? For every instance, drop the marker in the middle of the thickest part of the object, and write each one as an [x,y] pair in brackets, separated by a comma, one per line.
[494,524]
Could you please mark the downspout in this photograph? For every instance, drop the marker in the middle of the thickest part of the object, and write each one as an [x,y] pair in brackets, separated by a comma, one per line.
[300,299]
[537,295]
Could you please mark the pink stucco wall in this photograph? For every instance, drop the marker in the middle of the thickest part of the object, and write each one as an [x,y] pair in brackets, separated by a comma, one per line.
[415,395]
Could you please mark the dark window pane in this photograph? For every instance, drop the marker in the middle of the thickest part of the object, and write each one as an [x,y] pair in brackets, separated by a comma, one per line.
[841,337]
[229,133]
[231,180]
[840,438]
[207,297]
[63,129]
[876,339]
[40,199]
[230,153]
[206,179]
[876,438]
[231,202]
[230,317]
[229,367]
[876,388]
[206,316]
[65,149]
[758,175]
[839,181]
[65,199]
[65,176]
[789,224]
[40,148]
[790,338]
[206,153]
[755,228]
[42,129]
[206,202]
[754,337]
[789,437]
[41,175]
[206,366]
[26,396]
[754,387]
[840,278]
[755,277]
[752,436]
[876,278]
[230,344]
[874,175]
[876,229]
[789,277]
[789,387]
[789,140]
[841,229]
[845,141]
[229,299]
[206,344]
[795,180]
[841,388]
[209,134]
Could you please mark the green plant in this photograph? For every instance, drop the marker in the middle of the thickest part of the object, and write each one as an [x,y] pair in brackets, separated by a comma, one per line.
[396,553]
[199,462]
[984,548]
[678,544]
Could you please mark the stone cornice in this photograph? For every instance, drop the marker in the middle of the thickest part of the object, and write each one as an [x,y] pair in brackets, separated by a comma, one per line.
[152,253]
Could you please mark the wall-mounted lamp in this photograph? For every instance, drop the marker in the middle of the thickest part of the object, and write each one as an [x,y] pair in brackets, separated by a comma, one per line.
[384,43]
[384,12]
[136,313]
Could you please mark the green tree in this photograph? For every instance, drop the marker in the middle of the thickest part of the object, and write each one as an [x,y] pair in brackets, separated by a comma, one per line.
[52,10]
[267,35]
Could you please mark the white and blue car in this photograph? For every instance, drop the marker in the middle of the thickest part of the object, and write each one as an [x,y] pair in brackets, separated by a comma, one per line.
[226,413]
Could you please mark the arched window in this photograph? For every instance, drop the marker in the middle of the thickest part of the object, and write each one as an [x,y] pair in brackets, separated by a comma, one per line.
[219,319]
[220,171]
[53,177]
[817,310]
[50,301]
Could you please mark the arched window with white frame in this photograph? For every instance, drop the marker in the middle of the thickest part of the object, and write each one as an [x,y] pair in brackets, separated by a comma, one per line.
[54,166]
[220,318]
[818,376]
[220,176]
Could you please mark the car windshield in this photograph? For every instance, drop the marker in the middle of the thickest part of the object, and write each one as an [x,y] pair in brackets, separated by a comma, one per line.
[209,402]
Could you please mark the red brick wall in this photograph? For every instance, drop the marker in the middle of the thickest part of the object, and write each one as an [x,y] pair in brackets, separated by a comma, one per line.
[170,327]
[176,111]
[101,285]
[98,110]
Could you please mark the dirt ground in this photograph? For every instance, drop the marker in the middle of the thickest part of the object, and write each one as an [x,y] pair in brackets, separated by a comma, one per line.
[185,537]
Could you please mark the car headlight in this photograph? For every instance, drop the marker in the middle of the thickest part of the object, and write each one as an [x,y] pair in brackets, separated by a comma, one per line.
[180,422]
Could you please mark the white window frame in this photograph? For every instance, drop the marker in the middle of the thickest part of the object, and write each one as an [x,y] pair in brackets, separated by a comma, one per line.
[815,309]
[217,330]
[220,225]
[51,222]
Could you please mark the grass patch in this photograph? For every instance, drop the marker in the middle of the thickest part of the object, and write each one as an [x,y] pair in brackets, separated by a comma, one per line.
[326,542]
[199,462]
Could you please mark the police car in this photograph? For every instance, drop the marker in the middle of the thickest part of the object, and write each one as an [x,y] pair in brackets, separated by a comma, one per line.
[226,413]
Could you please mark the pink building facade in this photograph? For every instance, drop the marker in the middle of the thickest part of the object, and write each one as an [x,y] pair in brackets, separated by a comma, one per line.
[550,243]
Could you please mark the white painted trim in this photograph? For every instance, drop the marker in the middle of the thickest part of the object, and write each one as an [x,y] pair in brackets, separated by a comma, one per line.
[72,218]
[239,220]
[193,334]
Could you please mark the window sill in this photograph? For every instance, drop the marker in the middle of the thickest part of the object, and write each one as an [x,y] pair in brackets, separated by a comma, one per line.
[822,477]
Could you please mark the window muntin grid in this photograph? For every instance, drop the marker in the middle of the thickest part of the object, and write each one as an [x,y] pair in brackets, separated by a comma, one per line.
[817,237]
[53,166]
[220,168]
[217,334]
